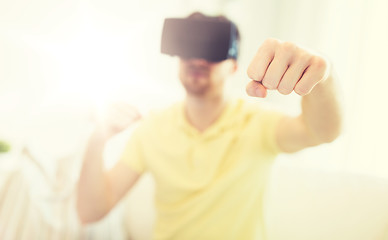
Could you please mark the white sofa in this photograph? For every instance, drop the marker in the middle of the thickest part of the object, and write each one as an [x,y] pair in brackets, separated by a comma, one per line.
[306,204]
[301,204]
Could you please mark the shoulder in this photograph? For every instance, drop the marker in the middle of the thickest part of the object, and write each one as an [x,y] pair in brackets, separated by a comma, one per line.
[159,118]
[165,115]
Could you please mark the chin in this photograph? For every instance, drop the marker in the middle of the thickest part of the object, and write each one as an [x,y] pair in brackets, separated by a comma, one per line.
[197,86]
[196,90]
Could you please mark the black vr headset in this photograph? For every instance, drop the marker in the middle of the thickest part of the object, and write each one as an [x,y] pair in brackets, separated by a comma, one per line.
[208,39]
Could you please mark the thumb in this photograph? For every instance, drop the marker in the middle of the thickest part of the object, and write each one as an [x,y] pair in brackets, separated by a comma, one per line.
[256,89]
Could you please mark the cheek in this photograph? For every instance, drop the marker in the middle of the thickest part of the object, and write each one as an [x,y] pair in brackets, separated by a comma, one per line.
[221,72]
[181,72]
[217,77]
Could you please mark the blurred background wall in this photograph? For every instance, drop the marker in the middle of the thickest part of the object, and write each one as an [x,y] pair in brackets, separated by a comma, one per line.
[86,53]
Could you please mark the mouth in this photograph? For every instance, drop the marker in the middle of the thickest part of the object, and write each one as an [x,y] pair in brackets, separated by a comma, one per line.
[197,73]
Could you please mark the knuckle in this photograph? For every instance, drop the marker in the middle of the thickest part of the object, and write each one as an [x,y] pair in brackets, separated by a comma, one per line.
[305,58]
[271,42]
[287,50]
[288,46]
[319,62]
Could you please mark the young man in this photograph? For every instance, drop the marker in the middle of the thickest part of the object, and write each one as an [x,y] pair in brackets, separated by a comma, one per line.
[210,158]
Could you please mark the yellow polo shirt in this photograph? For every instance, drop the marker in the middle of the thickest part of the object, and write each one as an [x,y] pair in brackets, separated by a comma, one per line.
[209,185]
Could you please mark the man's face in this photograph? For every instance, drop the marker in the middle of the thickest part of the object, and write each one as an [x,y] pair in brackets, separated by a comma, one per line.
[200,77]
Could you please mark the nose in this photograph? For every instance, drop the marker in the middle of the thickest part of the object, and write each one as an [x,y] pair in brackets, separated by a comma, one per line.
[197,61]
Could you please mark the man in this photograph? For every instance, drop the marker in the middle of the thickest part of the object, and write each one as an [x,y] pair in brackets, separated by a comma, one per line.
[210,158]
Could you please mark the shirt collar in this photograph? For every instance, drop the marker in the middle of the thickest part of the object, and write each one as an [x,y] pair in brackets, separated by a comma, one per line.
[225,120]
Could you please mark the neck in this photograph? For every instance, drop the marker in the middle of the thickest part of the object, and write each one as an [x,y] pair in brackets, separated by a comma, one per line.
[203,112]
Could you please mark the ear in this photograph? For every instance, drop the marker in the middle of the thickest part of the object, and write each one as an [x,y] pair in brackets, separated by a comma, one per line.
[234,66]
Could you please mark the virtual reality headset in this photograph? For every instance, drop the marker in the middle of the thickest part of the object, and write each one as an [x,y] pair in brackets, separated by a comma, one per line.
[211,40]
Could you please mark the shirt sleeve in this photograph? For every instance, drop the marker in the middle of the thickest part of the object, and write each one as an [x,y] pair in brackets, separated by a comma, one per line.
[133,154]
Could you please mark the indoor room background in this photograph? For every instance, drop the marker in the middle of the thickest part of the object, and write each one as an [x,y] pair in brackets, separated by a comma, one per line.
[63,61]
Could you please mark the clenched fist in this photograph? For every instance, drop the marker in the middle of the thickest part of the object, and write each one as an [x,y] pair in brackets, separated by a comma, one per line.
[285,67]
[116,118]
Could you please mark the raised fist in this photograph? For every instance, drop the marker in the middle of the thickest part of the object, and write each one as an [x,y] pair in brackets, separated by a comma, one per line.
[116,118]
[285,67]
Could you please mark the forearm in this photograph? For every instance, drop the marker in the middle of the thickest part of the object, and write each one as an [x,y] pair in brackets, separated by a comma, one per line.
[321,111]
[93,187]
